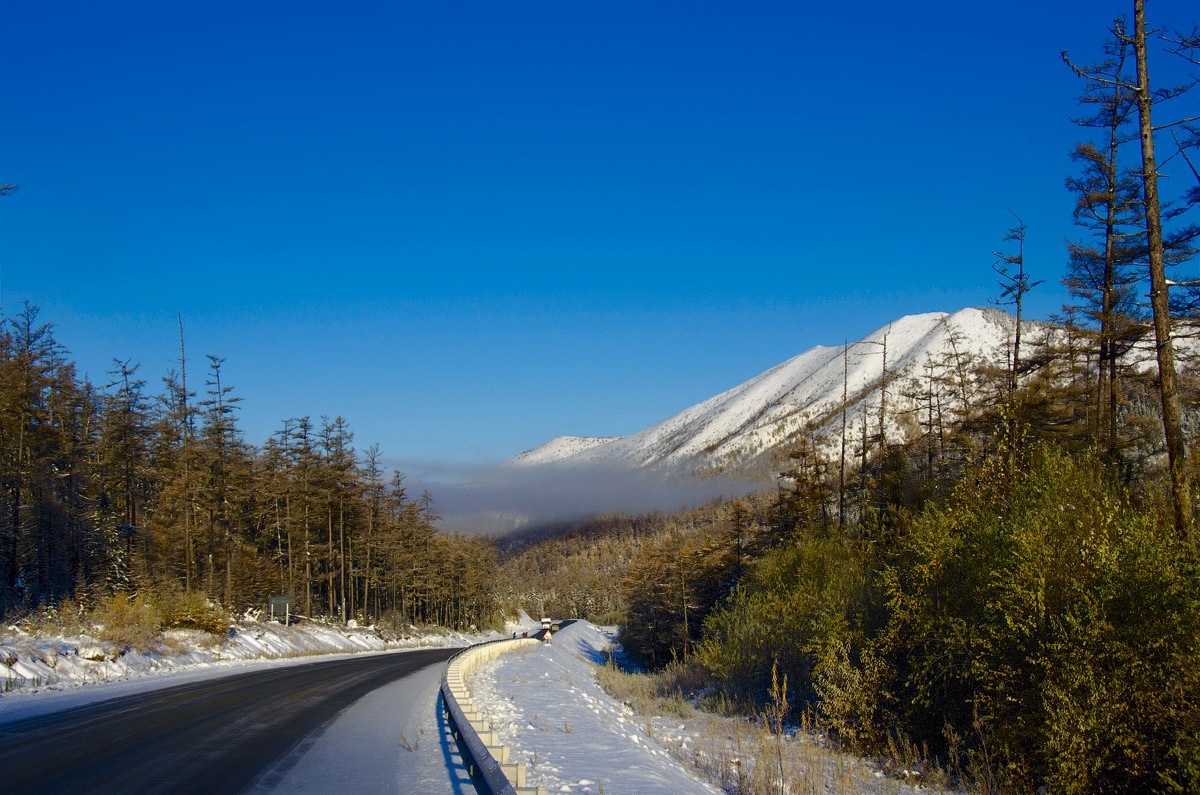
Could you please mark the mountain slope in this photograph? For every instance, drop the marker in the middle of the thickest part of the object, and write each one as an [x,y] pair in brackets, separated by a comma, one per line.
[746,428]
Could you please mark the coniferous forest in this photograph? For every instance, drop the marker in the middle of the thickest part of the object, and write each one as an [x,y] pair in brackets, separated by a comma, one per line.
[118,488]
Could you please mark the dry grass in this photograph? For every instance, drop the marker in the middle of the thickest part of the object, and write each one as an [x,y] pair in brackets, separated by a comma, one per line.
[646,695]
[127,622]
[755,755]
[745,757]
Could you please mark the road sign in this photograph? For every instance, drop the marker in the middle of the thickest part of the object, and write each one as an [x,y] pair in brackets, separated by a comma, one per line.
[282,604]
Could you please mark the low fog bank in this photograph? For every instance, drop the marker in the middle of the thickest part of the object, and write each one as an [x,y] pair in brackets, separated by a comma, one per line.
[504,499]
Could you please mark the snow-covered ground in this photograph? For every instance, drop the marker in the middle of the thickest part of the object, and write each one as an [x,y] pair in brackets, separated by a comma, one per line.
[548,708]
[40,674]
[550,711]
[544,701]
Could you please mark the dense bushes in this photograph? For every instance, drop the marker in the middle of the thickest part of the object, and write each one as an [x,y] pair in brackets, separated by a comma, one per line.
[125,622]
[1037,626]
[788,608]
[1049,617]
[1040,627]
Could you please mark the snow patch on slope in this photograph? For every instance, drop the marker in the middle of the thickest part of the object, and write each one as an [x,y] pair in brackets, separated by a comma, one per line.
[560,448]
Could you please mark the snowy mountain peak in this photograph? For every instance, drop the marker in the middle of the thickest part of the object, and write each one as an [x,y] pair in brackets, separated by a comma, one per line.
[740,430]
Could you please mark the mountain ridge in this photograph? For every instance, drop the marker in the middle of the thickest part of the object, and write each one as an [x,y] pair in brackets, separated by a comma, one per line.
[744,429]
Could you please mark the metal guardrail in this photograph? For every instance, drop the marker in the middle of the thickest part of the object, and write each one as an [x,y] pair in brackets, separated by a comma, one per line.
[488,758]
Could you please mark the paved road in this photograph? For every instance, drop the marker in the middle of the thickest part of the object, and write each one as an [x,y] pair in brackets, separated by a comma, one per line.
[214,736]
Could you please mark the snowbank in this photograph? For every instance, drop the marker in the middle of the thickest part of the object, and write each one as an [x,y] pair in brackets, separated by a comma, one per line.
[547,707]
[34,663]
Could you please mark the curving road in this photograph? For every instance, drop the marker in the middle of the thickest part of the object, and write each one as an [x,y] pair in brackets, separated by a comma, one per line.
[218,735]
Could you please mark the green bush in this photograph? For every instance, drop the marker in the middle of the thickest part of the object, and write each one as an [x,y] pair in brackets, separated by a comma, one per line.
[1048,620]
[848,688]
[797,600]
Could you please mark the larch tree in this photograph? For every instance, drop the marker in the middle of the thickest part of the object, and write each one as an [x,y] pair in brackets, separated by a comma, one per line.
[1014,284]
[224,466]
[1102,271]
[125,472]
[44,412]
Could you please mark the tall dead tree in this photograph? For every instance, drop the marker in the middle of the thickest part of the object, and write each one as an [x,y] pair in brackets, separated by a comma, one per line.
[1014,284]
[1159,299]
[842,456]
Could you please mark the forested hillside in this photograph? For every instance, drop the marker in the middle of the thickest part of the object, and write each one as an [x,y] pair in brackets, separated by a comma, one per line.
[1014,606]
[1010,590]
[120,488]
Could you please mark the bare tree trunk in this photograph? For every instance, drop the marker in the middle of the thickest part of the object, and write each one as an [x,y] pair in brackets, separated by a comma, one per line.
[1159,299]
[308,578]
[1106,419]
[331,595]
[189,552]
[347,607]
[883,385]
[842,459]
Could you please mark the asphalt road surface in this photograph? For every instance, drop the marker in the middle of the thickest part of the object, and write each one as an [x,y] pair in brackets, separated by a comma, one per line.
[213,736]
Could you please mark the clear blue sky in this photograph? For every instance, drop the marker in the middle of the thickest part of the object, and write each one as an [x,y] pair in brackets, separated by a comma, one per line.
[469,228]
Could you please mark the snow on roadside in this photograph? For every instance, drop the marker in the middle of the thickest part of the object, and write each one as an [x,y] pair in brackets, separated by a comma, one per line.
[547,706]
[33,664]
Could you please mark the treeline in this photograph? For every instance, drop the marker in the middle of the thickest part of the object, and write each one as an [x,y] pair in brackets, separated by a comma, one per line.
[115,489]
[575,570]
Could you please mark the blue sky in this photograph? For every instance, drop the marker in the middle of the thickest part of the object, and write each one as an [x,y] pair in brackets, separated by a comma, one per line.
[471,227]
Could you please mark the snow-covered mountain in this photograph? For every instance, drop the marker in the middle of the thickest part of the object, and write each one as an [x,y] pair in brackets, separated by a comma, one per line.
[747,427]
